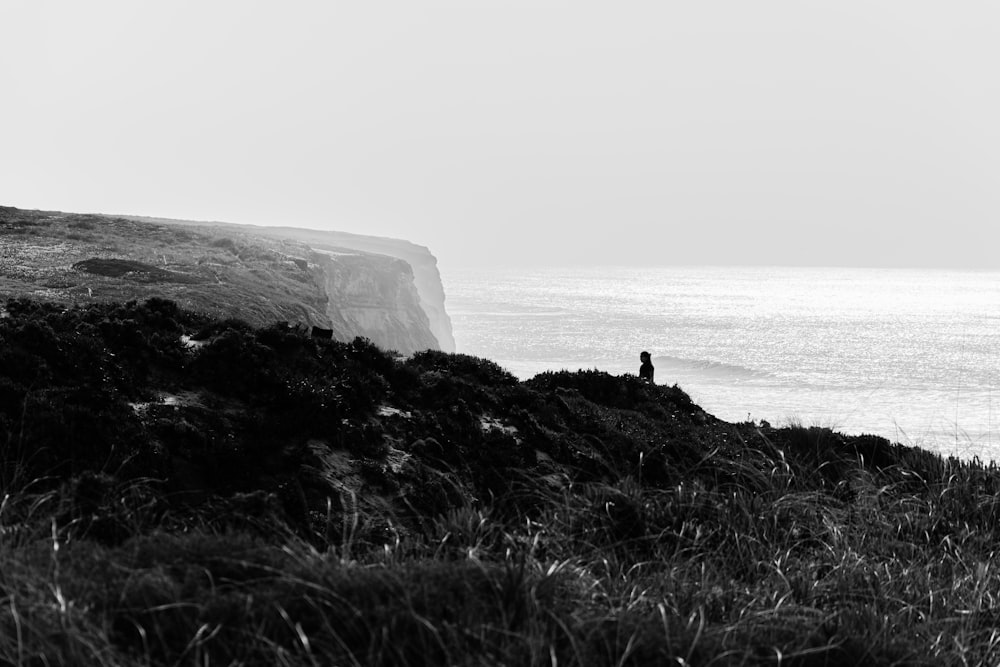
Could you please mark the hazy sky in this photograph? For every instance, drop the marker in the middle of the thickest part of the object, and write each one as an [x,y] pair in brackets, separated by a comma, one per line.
[848,132]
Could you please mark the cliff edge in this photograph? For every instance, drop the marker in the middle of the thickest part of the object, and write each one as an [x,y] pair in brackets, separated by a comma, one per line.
[260,275]
[376,298]
[426,277]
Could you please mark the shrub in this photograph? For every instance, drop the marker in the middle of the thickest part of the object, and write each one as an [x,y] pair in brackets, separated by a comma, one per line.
[475,369]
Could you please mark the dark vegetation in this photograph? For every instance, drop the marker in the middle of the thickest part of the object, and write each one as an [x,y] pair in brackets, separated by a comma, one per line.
[133,270]
[181,490]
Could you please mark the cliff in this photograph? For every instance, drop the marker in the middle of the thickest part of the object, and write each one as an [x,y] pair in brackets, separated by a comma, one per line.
[260,275]
[375,298]
[426,277]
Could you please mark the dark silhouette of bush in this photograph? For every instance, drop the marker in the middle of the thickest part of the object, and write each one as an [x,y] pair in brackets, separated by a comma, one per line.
[234,363]
[626,392]
[475,369]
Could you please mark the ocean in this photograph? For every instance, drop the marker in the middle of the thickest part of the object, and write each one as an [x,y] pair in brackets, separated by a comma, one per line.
[912,355]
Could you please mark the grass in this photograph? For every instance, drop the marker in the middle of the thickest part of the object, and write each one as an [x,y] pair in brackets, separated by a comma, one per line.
[82,259]
[690,575]
[280,515]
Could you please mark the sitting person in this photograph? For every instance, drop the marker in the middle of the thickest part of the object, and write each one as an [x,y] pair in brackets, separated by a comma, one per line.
[646,369]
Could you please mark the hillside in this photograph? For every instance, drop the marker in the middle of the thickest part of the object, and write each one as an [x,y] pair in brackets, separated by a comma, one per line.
[184,490]
[260,275]
[424,265]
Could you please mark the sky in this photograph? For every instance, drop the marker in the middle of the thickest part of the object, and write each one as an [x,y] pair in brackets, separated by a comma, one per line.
[534,133]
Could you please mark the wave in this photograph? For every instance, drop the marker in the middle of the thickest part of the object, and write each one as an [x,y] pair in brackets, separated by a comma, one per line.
[705,369]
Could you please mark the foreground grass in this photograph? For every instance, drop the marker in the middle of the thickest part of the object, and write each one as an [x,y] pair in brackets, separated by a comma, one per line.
[902,572]
[575,519]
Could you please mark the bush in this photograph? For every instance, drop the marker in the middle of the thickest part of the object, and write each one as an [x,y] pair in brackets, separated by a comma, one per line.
[475,369]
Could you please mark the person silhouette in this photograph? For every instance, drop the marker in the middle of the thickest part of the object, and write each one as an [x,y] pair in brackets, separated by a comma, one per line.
[646,370]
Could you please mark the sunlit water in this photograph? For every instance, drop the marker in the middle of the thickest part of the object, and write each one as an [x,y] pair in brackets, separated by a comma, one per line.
[908,354]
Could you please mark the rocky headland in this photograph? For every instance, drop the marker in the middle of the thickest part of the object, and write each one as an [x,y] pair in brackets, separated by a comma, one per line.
[386,290]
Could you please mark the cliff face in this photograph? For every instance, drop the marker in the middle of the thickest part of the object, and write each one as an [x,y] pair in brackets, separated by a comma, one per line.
[426,277]
[260,275]
[374,296]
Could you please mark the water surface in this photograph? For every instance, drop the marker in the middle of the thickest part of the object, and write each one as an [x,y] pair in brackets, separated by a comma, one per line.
[908,354]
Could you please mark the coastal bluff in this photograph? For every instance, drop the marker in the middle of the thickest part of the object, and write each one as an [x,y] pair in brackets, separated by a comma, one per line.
[386,290]
[177,485]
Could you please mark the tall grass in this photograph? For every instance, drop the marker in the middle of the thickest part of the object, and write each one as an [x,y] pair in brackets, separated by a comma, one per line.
[774,571]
